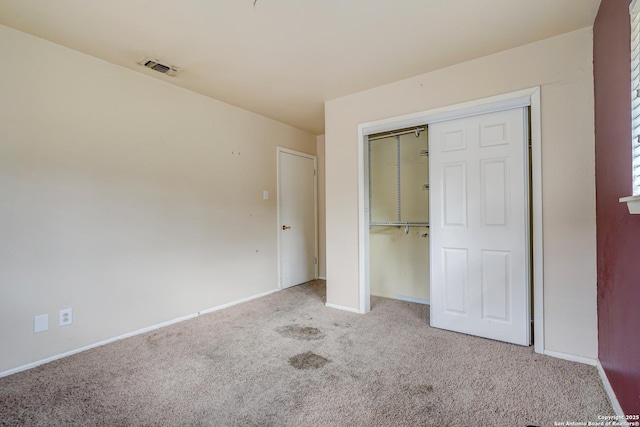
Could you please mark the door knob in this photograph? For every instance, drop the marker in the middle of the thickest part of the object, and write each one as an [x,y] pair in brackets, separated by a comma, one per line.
[285,227]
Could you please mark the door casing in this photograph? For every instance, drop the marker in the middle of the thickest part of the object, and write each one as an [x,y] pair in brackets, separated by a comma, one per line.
[525,97]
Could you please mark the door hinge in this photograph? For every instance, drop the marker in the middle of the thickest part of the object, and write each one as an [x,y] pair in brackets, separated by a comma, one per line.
[315,261]
[314,172]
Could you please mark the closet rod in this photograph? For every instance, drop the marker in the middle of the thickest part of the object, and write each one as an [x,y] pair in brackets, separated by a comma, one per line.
[398,224]
[403,132]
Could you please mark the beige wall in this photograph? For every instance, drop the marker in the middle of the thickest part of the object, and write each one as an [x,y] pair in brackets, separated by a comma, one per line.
[562,66]
[322,251]
[128,199]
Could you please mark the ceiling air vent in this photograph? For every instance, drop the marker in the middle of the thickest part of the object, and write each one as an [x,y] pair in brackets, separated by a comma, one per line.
[156,65]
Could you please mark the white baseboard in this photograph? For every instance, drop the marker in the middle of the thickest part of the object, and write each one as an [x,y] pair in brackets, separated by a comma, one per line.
[603,376]
[413,299]
[240,301]
[322,278]
[607,387]
[571,357]
[131,334]
[339,307]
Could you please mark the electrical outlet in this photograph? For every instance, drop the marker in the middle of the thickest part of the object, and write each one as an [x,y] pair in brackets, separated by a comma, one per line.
[65,317]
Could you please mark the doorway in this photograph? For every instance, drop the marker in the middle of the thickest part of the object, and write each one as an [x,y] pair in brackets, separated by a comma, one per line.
[297,218]
[398,185]
[524,98]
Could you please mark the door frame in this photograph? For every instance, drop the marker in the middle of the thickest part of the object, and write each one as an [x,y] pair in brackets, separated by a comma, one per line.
[525,97]
[280,150]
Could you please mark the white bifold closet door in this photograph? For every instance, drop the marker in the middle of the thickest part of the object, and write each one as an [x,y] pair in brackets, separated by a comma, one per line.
[479,226]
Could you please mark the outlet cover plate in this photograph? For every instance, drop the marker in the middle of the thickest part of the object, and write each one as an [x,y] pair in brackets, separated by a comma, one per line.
[40,323]
[65,317]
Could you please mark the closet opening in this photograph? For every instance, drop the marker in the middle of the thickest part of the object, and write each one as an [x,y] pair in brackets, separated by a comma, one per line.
[398,214]
[481,266]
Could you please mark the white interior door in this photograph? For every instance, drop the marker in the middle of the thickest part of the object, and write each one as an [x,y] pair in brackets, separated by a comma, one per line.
[480,226]
[297,217]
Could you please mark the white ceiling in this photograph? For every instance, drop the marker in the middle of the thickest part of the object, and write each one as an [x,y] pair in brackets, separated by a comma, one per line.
[284,58]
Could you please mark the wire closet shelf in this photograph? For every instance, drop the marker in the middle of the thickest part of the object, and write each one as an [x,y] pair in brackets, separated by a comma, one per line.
[399,222]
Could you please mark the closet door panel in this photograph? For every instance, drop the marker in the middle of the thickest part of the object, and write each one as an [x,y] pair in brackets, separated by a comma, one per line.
[480,196]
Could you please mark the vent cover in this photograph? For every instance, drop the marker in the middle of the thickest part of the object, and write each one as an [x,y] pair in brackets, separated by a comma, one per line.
[156,65]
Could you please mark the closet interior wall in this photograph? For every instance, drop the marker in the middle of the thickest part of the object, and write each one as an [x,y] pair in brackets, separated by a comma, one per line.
[399,261]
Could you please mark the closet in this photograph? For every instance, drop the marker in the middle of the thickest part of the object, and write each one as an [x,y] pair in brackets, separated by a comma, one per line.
[398,189]
[448,218]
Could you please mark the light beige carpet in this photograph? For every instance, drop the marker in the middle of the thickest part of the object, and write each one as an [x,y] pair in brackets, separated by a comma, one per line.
[287,360]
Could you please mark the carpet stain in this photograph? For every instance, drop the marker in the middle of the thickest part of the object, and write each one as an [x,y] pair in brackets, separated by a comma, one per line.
[152,341]
[425,389]
[420,390]
[308,360]
[341,325]
[298,332]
